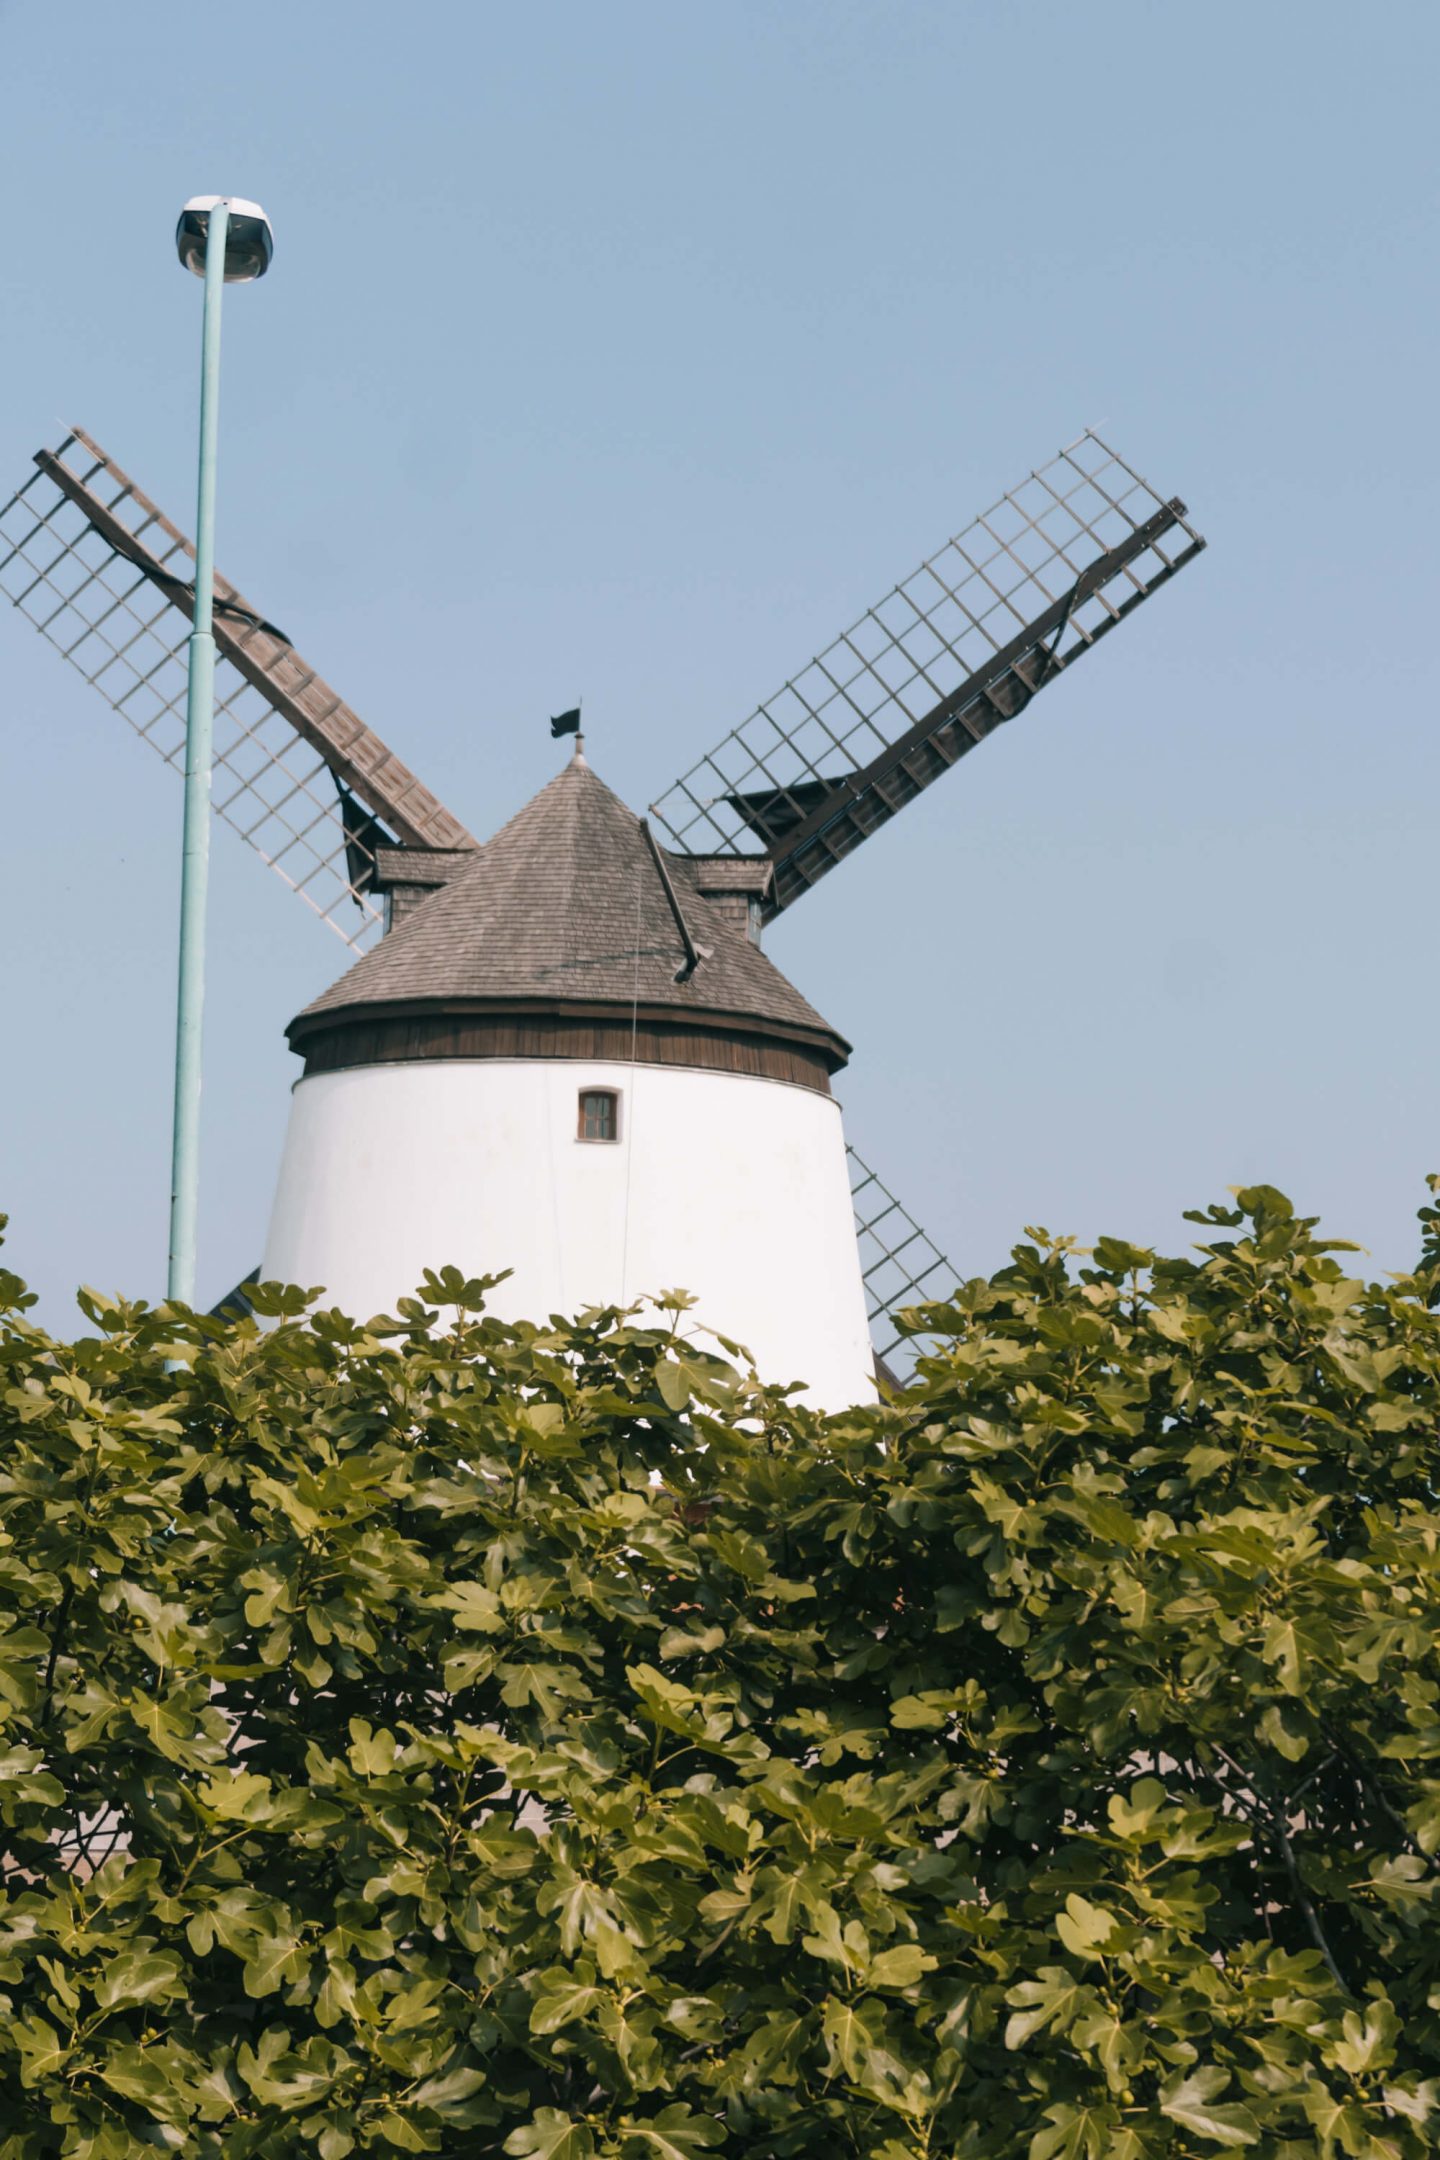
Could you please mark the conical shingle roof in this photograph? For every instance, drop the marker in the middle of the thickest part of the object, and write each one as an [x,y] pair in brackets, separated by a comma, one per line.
[566,907]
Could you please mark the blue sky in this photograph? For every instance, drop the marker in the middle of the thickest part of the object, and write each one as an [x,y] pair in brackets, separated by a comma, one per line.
[634,350]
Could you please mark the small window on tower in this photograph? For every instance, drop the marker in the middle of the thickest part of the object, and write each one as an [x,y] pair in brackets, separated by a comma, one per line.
[599,1114]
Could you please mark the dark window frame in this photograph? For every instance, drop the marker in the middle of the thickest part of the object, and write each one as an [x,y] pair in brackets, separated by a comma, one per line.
[610,1096]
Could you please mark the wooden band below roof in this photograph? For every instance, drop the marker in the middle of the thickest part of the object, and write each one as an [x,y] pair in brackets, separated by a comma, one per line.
[341,1042]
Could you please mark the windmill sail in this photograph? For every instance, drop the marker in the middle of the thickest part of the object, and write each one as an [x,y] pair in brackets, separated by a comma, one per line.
[956,648]
[104,575]
[900,1265]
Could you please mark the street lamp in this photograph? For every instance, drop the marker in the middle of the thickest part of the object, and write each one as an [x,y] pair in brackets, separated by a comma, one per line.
[227,242]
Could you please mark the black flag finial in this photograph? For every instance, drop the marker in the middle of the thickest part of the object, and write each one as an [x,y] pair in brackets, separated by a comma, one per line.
[566,723]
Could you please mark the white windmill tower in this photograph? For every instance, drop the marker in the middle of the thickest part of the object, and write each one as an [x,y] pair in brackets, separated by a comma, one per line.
[573,1060]
[563,1051]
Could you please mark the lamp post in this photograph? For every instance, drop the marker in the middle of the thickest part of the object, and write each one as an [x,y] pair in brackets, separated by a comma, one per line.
[227,242]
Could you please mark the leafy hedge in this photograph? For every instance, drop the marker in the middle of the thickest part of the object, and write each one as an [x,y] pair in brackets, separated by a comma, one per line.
[480,1739]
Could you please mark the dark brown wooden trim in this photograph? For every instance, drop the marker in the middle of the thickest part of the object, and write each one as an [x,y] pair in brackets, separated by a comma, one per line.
[821,1042]
[570,1012]
[427,1034]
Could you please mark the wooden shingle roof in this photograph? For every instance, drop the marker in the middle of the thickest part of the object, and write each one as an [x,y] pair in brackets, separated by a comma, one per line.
[567,908]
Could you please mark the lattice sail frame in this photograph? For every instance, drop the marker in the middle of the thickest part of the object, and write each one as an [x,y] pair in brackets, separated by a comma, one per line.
[954,649]
[106,578]
[900,1265]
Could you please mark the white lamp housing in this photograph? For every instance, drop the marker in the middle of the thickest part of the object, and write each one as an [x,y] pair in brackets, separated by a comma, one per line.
[249,241]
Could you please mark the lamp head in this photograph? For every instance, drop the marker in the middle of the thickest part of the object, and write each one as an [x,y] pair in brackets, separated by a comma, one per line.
[249,242]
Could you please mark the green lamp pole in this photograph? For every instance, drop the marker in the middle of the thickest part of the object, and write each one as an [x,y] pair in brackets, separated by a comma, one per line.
[225,241]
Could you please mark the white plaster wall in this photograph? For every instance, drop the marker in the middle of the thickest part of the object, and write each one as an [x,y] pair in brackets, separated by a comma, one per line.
[730,1187]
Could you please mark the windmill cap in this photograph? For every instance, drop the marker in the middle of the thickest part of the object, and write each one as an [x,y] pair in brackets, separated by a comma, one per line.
[249,239]
[573,913]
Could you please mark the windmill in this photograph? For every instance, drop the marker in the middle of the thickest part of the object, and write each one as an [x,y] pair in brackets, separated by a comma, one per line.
[952,652]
